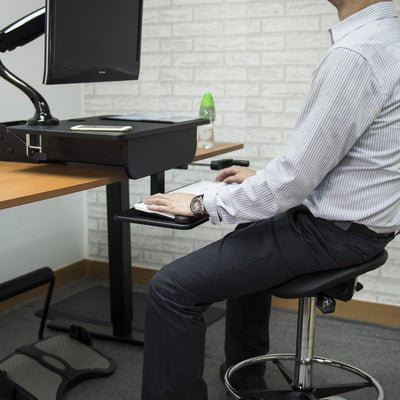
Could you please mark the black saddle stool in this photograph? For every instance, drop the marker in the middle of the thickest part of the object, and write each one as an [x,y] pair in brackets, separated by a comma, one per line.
[296,370]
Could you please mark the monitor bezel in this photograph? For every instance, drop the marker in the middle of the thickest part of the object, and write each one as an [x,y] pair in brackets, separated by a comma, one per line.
[78,73]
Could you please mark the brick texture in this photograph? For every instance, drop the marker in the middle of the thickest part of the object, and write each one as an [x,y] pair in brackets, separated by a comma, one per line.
[256,58]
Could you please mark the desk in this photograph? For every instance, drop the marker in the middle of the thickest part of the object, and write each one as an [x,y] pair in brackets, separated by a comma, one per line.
[23,183]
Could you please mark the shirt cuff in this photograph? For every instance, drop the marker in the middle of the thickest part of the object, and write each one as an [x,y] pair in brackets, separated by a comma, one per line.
[210,205]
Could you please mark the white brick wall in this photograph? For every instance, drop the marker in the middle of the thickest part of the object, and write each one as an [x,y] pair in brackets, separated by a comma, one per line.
[256,58]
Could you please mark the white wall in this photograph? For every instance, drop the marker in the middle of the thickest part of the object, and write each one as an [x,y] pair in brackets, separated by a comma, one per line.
[256,57]
[50,232]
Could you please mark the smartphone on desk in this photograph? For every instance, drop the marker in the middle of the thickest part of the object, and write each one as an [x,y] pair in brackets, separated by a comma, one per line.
[101,128]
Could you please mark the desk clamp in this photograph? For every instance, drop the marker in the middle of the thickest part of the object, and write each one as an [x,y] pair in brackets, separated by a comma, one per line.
[35,149]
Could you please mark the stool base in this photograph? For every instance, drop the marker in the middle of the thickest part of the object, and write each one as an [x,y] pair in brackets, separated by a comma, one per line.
[365,387]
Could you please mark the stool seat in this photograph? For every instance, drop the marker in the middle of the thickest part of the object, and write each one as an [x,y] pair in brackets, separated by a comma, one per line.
[329,282]
[313,290]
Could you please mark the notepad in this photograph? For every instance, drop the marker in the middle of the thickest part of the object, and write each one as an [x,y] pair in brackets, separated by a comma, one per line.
[194,188]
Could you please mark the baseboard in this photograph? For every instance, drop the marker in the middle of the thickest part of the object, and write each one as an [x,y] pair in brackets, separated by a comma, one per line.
[99,269]
[354,309]
[63,276]
[73,272]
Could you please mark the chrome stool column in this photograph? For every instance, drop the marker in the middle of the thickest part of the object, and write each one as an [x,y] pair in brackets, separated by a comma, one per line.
[313,290]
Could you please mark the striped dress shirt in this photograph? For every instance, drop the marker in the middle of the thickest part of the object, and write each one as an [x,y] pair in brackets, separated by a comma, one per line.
[343,159]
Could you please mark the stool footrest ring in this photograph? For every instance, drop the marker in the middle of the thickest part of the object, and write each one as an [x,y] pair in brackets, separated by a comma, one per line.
[291,392]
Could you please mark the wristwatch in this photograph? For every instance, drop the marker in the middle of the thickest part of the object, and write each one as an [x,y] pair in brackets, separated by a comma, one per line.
[197,206]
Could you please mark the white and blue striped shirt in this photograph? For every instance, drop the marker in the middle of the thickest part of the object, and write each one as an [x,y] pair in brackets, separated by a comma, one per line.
[343,160]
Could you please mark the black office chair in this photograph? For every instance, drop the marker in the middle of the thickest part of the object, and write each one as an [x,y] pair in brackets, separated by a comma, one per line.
[313,290]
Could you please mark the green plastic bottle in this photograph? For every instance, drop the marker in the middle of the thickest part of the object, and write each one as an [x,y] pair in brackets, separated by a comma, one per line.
[206,132]
[207,108]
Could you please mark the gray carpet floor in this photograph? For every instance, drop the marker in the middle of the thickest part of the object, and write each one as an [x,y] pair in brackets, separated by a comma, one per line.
[371,347]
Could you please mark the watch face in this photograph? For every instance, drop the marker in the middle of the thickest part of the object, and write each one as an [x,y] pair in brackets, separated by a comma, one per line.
[196,206]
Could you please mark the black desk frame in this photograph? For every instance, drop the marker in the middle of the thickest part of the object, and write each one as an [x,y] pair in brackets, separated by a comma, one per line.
[119,250]
[120,272]
[119,247]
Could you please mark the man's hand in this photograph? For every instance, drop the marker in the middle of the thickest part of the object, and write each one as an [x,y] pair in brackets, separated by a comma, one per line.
[179,203]
[174,203]
[235,174]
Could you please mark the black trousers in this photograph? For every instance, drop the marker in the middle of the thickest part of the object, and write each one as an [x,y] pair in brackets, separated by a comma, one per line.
[242,267]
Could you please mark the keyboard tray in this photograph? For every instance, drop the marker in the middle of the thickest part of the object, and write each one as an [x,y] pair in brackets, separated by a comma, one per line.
[181,222]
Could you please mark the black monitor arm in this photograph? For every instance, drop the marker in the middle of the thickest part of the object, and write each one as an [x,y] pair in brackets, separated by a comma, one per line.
[17,34]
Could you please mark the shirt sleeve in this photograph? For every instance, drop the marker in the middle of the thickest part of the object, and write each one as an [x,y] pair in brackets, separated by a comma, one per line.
[343,100]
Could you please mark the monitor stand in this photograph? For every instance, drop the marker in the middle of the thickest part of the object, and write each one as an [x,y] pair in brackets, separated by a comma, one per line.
[42,111]
[17,34]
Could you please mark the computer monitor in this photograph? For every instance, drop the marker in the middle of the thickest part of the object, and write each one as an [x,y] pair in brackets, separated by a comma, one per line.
[92,40]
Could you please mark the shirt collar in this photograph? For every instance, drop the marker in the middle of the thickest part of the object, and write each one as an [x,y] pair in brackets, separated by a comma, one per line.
[380,10]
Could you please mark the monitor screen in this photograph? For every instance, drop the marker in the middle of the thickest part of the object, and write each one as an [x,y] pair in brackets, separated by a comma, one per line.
[92,40]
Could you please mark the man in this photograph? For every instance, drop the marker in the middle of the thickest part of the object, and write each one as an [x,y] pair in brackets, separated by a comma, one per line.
[332,201]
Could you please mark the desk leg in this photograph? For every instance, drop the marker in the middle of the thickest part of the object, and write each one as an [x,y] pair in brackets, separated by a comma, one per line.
[119,255]
[157,183]
[107,312]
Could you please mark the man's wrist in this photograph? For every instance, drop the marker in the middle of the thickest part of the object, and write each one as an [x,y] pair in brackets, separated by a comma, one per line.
[197,206]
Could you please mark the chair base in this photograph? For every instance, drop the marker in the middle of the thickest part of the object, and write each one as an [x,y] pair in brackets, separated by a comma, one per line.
[366,386]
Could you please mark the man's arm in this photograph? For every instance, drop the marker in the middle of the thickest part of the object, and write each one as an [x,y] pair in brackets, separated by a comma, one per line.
[343,100]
